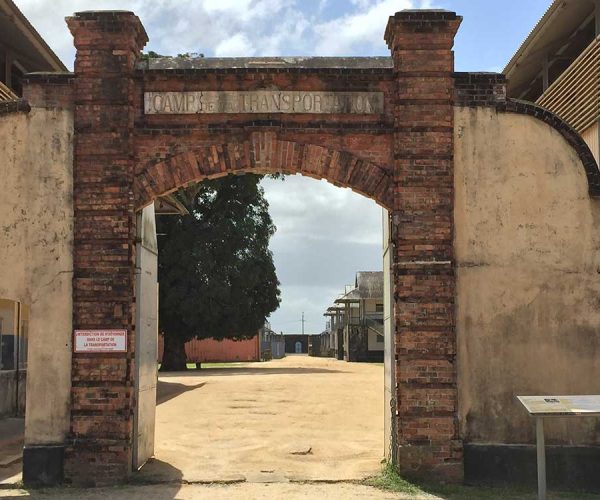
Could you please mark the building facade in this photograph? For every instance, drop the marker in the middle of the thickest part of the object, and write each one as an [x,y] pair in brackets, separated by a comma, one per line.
[355,326]
[557,66]
[492,223]
[22,51]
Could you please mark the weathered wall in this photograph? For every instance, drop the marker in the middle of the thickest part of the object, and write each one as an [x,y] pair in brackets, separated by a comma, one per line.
[528,255]
[36,257]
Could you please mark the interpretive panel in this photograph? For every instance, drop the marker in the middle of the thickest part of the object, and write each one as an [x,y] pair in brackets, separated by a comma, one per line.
[561,405]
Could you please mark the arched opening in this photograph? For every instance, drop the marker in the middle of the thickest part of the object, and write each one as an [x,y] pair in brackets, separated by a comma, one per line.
[269,426]
[263,153]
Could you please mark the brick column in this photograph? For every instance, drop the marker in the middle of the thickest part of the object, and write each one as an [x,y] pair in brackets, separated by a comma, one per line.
[108,45]
[423,226]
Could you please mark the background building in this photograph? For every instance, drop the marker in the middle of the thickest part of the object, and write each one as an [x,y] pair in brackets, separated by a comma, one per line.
[558,66]
[354,331]
[272,344]
[22,50]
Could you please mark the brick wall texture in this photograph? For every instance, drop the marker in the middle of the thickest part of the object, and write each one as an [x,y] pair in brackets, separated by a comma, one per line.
[402,158]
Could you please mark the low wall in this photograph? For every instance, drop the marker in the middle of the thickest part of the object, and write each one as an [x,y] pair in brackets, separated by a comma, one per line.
[527,248]
[217,351]
[36,257]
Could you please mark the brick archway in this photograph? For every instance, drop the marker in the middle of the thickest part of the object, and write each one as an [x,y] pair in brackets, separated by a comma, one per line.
[398,150]
[264,153]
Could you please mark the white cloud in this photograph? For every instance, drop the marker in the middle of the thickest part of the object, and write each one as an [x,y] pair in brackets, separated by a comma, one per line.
[237,46]
[235,27]
[325,234]
[365,26]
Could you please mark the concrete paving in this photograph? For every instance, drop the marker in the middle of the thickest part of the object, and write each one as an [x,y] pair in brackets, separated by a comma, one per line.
[295,419]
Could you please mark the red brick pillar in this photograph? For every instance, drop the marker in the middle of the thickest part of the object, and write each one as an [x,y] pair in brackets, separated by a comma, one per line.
[108,45]
[421,45]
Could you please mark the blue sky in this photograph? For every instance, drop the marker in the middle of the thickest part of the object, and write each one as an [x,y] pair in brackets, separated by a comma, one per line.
[325,234]
[490,33]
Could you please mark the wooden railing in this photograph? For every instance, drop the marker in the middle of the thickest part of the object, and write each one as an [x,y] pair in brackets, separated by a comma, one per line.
[6,94]
[575,95]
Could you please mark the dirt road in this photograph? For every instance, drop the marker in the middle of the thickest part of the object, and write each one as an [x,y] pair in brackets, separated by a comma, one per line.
[298,418]
[263,427]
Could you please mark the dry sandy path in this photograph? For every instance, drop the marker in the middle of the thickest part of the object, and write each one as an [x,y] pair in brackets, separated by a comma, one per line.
[244,491]
[257,421]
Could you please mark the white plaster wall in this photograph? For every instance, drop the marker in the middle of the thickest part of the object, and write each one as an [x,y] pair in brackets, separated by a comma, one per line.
[372,343]
[528,255]
[36,234]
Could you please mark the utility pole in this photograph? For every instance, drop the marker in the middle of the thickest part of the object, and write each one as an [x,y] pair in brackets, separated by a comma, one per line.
[302,323]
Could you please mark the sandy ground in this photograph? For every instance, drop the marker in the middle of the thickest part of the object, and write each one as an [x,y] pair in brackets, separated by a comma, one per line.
[298,418]
[265,427]
[244,491]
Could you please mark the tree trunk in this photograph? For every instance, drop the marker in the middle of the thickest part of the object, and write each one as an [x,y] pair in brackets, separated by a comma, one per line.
[174,358]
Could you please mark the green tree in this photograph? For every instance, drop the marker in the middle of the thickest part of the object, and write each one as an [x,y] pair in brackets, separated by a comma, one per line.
[216,273]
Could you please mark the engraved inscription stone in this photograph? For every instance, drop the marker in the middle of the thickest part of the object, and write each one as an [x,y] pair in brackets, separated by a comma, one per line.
[263,101]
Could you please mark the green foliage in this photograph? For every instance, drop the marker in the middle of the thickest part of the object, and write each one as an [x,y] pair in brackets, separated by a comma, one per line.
[155,55]
[150,55]
[390,480]
[216,272]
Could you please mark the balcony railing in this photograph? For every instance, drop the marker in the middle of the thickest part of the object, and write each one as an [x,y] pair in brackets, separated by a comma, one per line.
[6,94]
[574,96]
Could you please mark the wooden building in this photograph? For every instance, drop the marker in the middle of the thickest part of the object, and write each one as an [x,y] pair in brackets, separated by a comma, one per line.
[557,66]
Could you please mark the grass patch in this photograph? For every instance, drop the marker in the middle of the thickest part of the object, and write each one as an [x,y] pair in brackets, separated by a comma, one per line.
[390,480]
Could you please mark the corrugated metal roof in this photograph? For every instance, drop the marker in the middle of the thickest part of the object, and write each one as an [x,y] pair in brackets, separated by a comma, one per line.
[560,21]
[368,285]
[18,33]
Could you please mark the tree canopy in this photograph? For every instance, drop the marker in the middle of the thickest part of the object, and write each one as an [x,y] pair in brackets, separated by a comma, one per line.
[216,273]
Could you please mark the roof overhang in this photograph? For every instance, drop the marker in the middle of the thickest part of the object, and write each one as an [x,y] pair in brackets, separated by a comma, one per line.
[21,38]
[562,19]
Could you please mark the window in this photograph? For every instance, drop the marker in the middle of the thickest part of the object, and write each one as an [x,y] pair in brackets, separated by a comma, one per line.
[379,308]
[14,326]
[379,338]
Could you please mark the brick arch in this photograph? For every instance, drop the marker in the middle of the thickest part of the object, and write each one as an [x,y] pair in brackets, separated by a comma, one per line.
[264,153]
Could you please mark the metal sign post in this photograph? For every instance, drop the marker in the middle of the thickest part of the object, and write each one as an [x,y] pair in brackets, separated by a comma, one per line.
[541,407]
[541,457]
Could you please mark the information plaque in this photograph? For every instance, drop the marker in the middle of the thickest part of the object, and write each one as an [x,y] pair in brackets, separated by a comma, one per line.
[561,405]
[100,341]
[542,407]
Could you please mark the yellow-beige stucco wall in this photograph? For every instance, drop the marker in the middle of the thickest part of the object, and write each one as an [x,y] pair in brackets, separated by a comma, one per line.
[36,257]
[528,262]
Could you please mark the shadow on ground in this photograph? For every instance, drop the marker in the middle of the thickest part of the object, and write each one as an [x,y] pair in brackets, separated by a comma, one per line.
[246,370]
[164,483]
[170,390]
[10,474]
